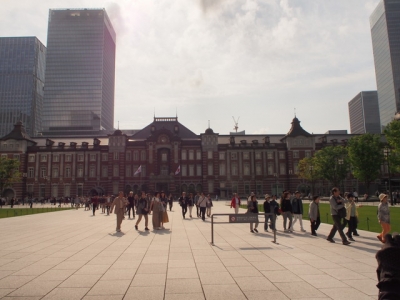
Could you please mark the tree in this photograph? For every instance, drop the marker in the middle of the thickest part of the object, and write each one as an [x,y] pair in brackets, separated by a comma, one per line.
[307,171]
[332,164]
[392,133]
[365,155]
[9,172]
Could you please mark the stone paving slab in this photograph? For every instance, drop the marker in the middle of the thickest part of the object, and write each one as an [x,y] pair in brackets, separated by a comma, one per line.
[73,255]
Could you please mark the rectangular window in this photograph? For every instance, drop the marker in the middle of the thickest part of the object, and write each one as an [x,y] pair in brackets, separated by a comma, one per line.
[222,156]
[116,171]
[128,155]
[282,169]
[55,172]
[198,154]
[79,171]
[143,171]
[56,158]
[135,155]
[191,170]
[31,157]
[54,190]
[104,156]
[68,157]
[258,155]
[128,171]
[142,155]
[79,191]
[67,190]
[164,170]
[210,171]
[211,186]
[92,171]
[42,191]
[115,188]
[247,188]
[209,154]
[270,155]
[104,171]
[92,157]
[246,169]
[270,168]
[308,153]
[198,170]
[68,172]
[80,157]
[222,170]
[183,155]
[295,154]
[184,170]
[43,172]
[234,156]
[234,169]
[164,157]
[29,188]
[16,156]
[191,154]
[31,173]
[245,155]
[43,158]
[258,169]
[4,156]
[296,167]
[281,155]
[116,155]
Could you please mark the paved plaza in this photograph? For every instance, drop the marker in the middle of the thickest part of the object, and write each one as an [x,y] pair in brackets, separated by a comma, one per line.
[72,255]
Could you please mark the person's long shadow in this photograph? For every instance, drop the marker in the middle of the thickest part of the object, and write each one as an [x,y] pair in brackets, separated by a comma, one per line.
[117,234]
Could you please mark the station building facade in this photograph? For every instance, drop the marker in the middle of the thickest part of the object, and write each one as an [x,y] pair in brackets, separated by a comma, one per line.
[169,156]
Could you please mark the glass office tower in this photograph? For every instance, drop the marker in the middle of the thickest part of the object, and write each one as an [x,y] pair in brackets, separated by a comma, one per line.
[80,72]
[385,32]
[364,113]
[22,69]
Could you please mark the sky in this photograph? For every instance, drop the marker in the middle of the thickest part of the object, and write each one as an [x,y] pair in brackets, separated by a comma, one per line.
[211,60]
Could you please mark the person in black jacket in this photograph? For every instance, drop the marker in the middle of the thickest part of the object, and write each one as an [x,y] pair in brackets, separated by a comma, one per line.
[287,211]
[183,202]
[270,206]
[388,270]
[297,206]
[131,205]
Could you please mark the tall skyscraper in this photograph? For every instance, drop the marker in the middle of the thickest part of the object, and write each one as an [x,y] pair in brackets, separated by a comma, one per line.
[80,72]
[22,69]
[364,113]
[385,29]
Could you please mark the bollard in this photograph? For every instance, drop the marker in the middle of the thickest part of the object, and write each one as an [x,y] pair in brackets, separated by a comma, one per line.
[368,223]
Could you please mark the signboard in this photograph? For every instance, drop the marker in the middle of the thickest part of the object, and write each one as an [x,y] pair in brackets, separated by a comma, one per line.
[243,218]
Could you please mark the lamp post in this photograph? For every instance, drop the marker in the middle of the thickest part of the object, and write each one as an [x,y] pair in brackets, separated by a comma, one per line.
[386,153]
[311,168]
[276,183]
[340,162]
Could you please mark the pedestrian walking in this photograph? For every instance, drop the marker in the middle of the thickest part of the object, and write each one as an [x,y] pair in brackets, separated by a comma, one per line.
[196,202]
[338,212]
[190,204]
[118,205]
[203,206]
[183,202]
[383,217]
[209,204]
[95,202]
[142,210]
[287,211]
[314,215]
[252,208]
[297,207]
[164,214]
[170,201]
[235,202]
[156,208]
[131,205]
[270,210]
[351,216]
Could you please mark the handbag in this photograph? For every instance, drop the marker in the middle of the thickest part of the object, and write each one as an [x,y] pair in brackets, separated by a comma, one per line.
[165,217]
[342,212]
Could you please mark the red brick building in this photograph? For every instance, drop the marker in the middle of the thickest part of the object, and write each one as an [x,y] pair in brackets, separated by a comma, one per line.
[209,162]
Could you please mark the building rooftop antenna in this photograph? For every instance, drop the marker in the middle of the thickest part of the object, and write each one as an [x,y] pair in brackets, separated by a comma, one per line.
[236,123]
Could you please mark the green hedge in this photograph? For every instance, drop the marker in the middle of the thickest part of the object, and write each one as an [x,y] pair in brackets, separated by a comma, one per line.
[15,212]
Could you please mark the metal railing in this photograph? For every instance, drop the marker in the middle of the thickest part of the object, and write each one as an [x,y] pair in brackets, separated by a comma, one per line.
[243,218]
